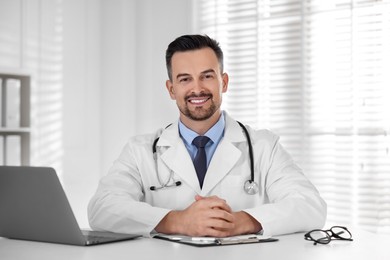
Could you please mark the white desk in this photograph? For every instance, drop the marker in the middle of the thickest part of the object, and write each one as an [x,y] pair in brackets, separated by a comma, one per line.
[365,246]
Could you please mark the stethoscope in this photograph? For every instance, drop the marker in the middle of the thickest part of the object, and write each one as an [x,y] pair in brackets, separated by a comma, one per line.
[250,186]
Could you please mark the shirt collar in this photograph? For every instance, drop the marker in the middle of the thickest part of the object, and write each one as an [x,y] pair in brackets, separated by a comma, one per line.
[215,133]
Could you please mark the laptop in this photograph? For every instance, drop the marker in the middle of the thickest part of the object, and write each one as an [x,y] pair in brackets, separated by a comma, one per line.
[33,206]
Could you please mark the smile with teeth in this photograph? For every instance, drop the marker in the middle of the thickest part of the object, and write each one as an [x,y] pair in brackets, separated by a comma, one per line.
[198,101]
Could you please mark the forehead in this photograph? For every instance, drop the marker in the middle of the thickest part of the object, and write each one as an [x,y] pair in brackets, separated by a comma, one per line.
[194,61]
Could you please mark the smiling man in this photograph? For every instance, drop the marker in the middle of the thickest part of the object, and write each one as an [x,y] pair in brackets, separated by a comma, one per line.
[189,177]
[197,83]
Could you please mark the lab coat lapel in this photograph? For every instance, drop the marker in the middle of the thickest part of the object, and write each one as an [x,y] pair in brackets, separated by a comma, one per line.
[225,157]
[176,157]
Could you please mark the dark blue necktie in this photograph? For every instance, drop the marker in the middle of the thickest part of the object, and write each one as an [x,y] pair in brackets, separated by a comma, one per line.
[200,161]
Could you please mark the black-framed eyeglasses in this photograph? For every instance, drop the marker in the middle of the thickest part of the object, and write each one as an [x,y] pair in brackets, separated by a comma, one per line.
[319,236]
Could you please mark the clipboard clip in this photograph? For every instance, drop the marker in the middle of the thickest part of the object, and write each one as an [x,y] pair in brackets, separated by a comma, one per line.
[237,240]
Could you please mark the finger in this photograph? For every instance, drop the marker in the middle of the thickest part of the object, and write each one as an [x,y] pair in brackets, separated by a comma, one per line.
[221,215]
[218,232]
[198,197]
[212,202]
[219,224]
[222,225]
[220,204]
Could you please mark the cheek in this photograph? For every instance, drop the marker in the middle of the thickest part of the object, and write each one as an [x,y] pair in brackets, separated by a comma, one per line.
[180,94]
[179,97]
[217,96]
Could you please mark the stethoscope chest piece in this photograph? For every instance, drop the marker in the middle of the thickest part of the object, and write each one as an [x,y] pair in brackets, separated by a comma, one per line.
[251,187]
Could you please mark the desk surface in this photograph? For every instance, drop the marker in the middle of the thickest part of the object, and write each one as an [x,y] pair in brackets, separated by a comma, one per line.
[365,246]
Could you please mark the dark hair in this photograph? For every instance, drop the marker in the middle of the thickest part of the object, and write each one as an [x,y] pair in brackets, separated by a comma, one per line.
[189,43]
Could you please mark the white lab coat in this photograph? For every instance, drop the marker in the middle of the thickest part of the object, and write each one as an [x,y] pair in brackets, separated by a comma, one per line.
[287,201]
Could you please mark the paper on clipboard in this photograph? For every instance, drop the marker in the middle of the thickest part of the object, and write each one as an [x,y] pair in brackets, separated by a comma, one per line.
[214,241]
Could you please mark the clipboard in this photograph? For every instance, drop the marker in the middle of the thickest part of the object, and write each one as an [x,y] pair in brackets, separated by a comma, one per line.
[214,241]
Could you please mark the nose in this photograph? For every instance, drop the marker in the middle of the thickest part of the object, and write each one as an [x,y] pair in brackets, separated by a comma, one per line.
[197,86]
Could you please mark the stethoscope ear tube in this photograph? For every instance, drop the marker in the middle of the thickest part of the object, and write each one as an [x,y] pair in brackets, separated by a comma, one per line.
[154,147]
[154,188]
[250,148]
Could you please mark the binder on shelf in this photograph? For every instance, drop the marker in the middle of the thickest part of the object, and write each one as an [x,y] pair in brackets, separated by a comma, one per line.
[2,101]
[12,108]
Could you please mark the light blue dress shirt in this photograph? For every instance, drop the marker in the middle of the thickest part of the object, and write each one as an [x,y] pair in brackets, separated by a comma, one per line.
[215,134]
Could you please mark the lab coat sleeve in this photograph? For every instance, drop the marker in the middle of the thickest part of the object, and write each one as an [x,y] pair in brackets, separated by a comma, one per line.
[294,203]
[118,203]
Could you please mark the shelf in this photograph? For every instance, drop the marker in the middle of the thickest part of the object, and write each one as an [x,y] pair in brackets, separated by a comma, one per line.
[11,131]
[15,117]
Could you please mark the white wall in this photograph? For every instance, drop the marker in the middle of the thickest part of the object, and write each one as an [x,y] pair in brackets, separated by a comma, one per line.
[135,35]
[82,101]
[115,82]
[103,62]
[159,22]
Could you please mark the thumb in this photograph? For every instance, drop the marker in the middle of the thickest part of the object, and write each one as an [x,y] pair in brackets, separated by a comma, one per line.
[198,197]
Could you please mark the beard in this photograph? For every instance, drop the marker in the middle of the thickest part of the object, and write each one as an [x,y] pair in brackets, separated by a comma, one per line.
[200,113]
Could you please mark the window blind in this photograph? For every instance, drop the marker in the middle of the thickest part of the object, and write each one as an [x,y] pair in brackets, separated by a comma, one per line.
[316,73]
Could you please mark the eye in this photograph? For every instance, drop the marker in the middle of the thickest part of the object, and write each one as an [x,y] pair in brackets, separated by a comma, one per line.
[184,79]
[208,76]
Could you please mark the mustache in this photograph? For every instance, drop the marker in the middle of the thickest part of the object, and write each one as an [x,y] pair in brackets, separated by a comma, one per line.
[201,95]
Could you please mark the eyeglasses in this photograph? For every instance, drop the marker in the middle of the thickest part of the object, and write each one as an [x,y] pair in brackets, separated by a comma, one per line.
[319,236]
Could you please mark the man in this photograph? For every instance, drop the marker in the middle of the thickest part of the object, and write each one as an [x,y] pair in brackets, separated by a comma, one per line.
[161,191]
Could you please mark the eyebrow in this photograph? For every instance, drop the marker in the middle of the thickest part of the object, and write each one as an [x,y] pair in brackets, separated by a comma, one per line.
[187,74]
[208,71]
[182,75]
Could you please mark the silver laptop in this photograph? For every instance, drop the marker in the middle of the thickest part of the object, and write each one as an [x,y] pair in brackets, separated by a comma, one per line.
[33,206]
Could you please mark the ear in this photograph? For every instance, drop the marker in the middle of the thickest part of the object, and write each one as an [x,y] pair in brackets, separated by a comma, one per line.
[225,82]
[171,91]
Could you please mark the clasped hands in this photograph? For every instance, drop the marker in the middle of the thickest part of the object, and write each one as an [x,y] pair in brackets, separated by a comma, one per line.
[208,216]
